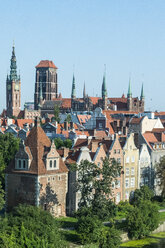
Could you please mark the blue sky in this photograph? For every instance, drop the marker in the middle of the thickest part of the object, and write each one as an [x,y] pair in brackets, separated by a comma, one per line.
[126,35]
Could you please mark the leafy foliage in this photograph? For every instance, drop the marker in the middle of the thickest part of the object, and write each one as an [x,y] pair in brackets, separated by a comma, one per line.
[95,185]
[89,229]
[68,118]
[56,113]
[160,174]
[9,145]
[2,201]
[60,143]
[30,227]
[109,238]
[142,219]
[142,194]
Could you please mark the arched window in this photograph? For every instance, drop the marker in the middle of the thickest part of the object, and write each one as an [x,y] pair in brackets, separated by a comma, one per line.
[50,163]
[19,164]
[54,163]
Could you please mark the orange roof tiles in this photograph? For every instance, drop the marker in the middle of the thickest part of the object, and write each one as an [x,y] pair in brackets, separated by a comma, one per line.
[46,63]
[83,118]
[22,122]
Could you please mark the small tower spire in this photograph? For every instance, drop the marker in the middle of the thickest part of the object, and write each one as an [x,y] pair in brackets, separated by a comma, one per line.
[13,65]
[84,92]
[129,95]
[73,94]
[104,87]
[142,93]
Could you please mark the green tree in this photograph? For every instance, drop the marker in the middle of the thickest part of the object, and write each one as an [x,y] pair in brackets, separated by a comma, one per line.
[89,229]
[58,142]
[9,145]
[57,113]
[68,143]
[142,219]
[142,194]
[102,204]
[68,118]
[109,238]
[95,185]
[31,227]
[160,174]
[2,201]
[86,174]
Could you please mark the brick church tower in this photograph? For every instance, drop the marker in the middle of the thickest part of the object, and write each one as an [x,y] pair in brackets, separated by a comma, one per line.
[46,78]
[13,89]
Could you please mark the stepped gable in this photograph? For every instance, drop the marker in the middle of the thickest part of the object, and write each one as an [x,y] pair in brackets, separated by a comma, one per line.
[38,142]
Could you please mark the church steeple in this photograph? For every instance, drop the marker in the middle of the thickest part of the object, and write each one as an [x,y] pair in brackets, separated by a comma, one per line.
[142,93]
[129,95]
[84,92]
[73,94]
[104,87]
[13,65]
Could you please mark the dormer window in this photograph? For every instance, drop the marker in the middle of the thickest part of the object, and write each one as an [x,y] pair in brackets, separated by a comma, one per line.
[21,164]
[50,163]
[55,163]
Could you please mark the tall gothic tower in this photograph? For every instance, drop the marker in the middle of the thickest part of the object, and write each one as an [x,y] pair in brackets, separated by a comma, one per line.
[13,89]
[46,77]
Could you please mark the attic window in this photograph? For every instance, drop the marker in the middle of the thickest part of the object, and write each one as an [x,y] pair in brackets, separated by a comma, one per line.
[54,163]
[50,163]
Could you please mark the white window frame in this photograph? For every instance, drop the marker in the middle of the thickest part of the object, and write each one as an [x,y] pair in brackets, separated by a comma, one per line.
[126,182]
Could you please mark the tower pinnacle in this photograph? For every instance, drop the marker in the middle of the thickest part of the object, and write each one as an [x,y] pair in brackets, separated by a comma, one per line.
[129,95]
[142,93]
[104,88]
[73,94]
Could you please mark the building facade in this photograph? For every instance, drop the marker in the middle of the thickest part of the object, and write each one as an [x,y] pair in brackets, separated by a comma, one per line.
[46,85]
[37,175]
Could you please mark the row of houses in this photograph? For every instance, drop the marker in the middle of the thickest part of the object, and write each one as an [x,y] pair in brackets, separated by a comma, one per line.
[40,170]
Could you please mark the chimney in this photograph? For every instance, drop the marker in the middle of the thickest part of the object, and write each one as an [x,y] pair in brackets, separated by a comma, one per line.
[37,122]
[66,125]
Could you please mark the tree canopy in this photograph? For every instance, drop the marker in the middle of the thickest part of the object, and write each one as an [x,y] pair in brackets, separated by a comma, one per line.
[160,174]
[9,145]
[56,113]
[31,227]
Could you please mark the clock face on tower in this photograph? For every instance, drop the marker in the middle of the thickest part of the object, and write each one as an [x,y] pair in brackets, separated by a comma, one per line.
[16,87]
[9,86]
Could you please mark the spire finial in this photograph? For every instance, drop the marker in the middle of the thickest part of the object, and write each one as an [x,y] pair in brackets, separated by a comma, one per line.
[73,94]
[142,93]
[129,88]
[104,88]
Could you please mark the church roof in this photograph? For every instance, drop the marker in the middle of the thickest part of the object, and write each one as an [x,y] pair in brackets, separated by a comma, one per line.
[46,63]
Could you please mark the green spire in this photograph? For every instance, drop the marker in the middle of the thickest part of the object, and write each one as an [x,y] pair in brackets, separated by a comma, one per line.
[13,65]
[104,87]
[73,94]
[142,93]
[129,90]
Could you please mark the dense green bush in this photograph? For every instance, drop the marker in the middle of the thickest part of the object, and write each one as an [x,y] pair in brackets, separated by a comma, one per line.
[89,229]
[109,238]
[142,219]
[142,194]
[29,226]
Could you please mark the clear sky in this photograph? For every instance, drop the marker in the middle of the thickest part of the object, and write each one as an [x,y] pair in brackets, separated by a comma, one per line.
[126,35]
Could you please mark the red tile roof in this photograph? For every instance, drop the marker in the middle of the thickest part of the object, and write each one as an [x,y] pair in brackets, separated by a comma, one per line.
[66,103]
[136,120]
[21,122]
[46,63]
[83,118]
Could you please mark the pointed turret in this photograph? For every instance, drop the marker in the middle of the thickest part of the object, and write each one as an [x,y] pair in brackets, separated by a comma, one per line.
[13,66]
[73,94]
[142,93]
[104,88]
[129,95]
[84,92]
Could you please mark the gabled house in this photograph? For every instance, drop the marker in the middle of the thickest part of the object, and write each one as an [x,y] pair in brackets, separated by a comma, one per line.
[37,175]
